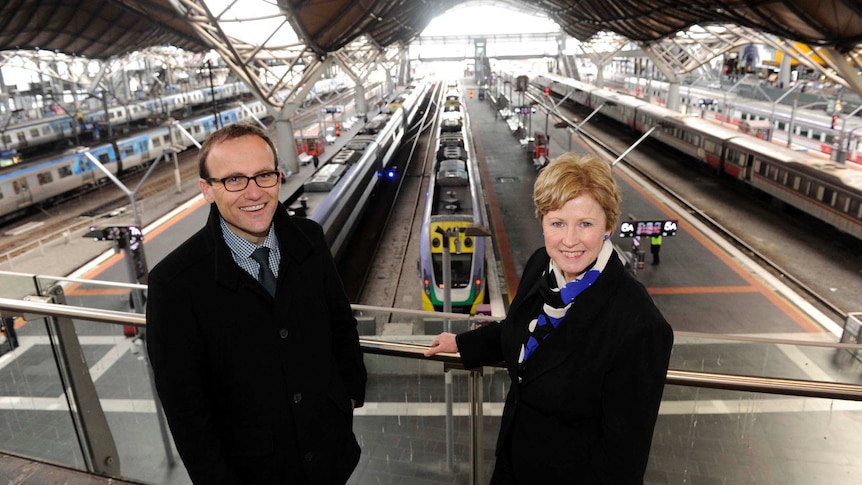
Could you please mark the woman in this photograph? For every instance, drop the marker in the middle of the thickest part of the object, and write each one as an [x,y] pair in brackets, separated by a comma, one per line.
[584,345]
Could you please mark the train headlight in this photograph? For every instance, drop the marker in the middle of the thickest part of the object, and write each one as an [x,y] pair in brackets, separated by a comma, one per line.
[391,173]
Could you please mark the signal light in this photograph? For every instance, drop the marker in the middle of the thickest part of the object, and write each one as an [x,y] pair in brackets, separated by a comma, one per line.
[834,121]
[471,94]
[547,92]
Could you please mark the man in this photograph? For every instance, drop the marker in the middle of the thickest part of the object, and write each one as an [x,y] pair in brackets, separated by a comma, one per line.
[655,248]
[258,388]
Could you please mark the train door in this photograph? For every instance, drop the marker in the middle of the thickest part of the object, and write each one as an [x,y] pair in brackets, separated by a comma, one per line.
[315,145]
[23,195]
[85,169]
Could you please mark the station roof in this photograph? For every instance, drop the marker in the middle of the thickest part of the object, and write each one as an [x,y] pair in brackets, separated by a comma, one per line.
[104,28]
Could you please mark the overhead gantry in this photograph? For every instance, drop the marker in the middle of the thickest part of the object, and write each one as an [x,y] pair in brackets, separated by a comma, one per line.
[281,74]
[691,51]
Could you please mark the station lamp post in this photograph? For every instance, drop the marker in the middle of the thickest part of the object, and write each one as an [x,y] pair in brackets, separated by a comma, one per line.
[446,235]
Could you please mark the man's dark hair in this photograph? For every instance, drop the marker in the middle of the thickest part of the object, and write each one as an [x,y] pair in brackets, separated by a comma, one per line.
[231,132]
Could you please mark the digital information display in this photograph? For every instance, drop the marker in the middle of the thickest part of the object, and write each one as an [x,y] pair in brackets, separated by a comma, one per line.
[648,228]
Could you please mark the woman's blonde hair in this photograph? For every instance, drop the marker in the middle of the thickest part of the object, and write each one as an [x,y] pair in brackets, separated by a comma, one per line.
[571,175]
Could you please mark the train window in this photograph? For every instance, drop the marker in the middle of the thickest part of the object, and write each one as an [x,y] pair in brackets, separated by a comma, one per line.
[694,140]
[828,197]
[794,182]
[841,202]
[709,146]
[853,209]
[64,171]
[46,130]
[157,142]
[782,174]
[104,158]
[7,139]
[759,167]
[20,186]
[34,133]
[816,191]
[44,178]
[773,172]
[127,151]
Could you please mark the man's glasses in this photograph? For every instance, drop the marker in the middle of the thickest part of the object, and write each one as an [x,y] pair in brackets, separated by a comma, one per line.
[236,183]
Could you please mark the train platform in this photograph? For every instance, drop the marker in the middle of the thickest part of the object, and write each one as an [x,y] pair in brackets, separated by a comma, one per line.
[701,285]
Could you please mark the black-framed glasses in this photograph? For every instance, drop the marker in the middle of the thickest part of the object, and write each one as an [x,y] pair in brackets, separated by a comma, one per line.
[236,183]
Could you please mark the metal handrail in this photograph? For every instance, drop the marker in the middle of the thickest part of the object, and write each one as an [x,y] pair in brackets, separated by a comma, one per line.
[768,385]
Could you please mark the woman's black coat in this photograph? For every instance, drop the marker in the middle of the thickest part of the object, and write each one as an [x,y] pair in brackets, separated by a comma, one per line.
[588,398]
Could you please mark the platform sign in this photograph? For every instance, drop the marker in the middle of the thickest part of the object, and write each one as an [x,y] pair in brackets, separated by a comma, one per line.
[524,110]
[648,228]
[332,109]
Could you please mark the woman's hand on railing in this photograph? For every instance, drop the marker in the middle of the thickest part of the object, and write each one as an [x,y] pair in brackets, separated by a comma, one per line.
[445,342]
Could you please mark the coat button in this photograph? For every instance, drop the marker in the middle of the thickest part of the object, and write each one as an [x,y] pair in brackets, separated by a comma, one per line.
[297,397]
[282,333]
[308,456]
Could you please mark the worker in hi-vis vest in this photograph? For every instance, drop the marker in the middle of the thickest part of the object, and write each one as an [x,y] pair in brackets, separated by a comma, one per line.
[655,247]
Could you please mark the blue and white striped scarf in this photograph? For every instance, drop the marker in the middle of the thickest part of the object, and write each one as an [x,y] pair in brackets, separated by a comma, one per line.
[558,296]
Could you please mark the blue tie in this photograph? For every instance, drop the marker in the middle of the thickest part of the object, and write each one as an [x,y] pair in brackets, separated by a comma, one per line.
[264,275]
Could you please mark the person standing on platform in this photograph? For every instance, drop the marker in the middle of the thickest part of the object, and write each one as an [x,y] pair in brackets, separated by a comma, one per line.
[655,248]
[585,347]
[315,161]
[251,337]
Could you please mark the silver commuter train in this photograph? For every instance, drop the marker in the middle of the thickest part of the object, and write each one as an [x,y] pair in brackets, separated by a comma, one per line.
[337,193]
[823,189]
[53,129]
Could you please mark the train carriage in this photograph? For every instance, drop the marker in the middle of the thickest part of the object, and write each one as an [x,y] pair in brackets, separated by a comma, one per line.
[40,182]
[337,193]
[825,190]
[62,126]
[452,207]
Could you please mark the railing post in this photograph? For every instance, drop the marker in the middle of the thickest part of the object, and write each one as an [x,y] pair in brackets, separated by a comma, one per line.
[91,426]
[476,396]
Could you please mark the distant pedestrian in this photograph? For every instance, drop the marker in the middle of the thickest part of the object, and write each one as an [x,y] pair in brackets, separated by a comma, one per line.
[315,161]
[655,247]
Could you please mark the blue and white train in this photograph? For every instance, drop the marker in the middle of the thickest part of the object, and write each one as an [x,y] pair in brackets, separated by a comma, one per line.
[53,129]
[23,187]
